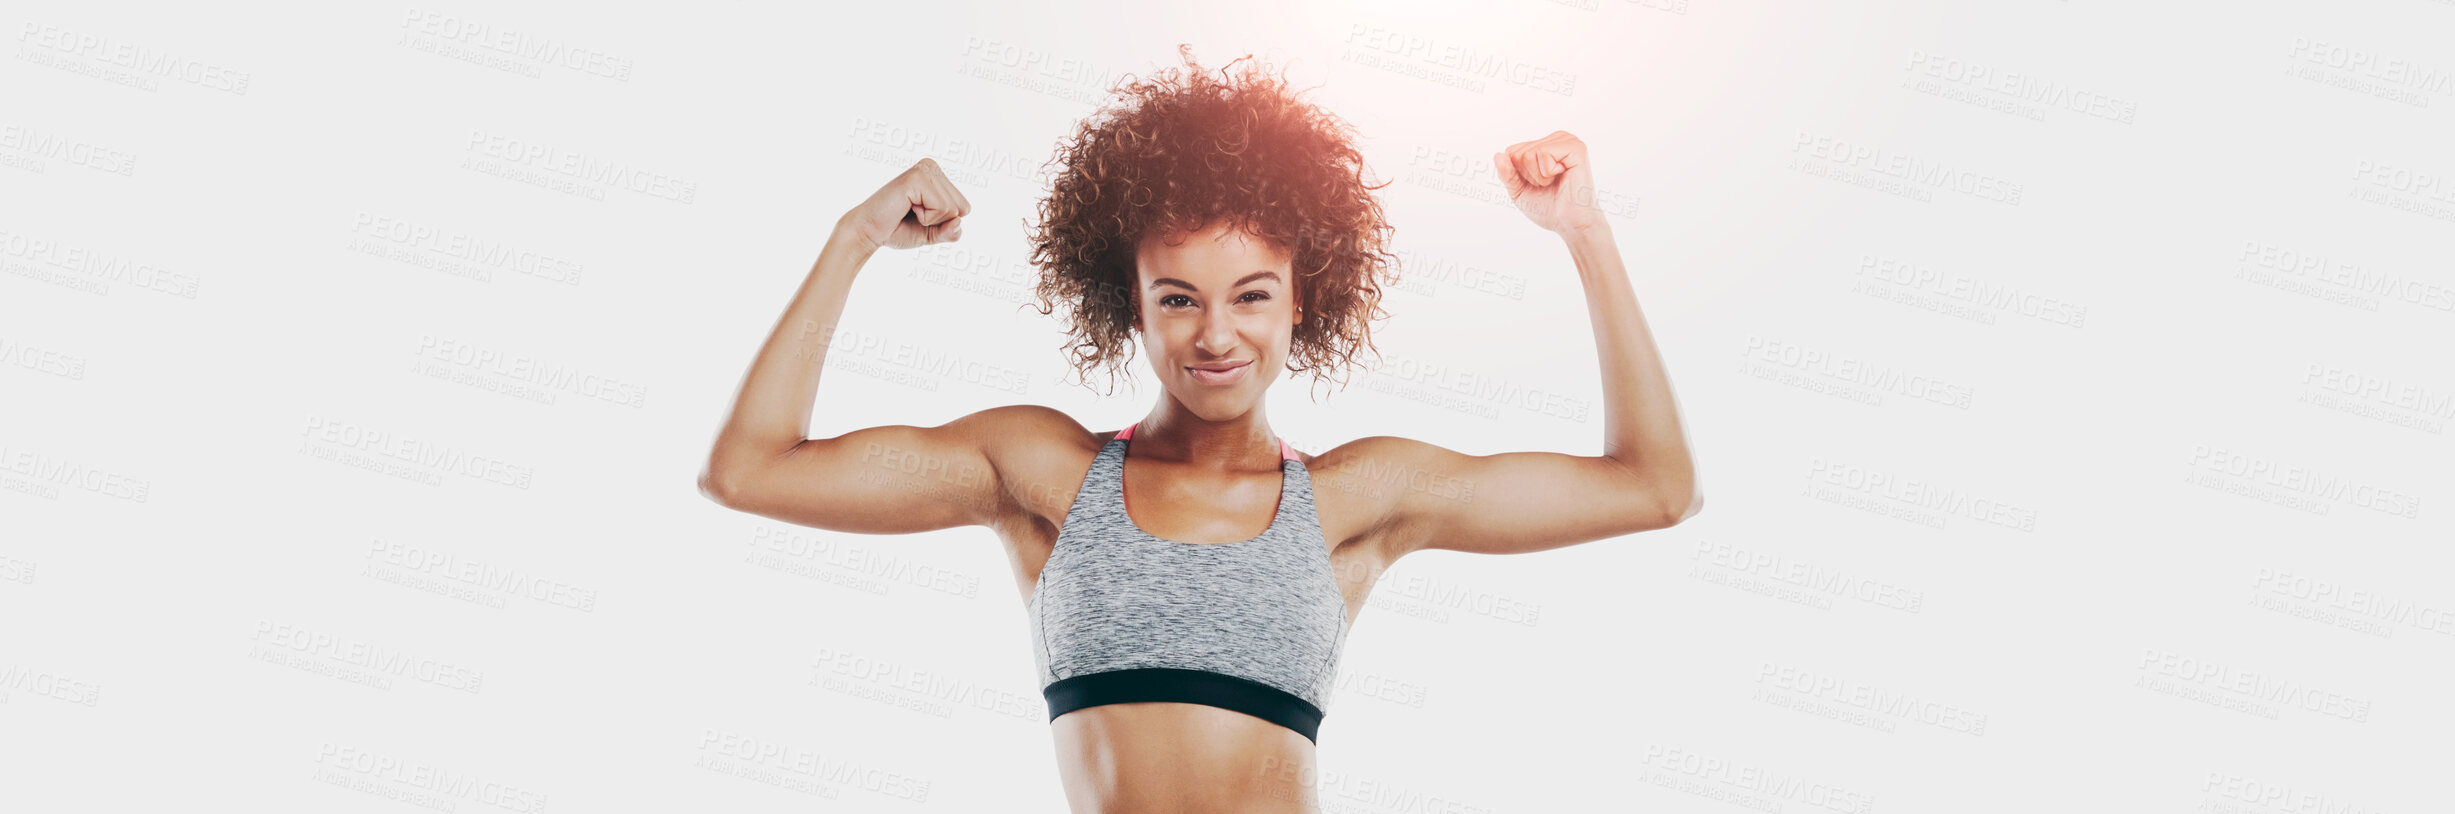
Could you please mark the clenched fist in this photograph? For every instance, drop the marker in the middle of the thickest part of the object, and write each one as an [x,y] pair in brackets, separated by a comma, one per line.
[917,208]
[1549,180]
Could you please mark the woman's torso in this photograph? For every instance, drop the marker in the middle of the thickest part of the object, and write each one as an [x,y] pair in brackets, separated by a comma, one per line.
[1182,756]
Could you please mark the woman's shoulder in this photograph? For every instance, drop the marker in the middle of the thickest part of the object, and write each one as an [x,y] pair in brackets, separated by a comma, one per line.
[1374,450]
[1040,454]
[1376,469]
[1035,426]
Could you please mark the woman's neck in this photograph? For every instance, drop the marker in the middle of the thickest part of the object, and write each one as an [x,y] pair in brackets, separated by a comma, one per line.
[1176,434]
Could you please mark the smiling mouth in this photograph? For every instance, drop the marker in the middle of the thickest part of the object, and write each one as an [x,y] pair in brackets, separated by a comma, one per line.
[1220,375]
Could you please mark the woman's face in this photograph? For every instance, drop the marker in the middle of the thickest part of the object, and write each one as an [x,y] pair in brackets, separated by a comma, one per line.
[1215,300]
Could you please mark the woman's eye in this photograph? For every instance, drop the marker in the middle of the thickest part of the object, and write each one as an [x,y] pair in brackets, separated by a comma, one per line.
[1180,300]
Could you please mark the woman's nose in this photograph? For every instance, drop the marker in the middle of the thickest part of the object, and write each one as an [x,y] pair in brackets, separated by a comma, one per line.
[1218,332]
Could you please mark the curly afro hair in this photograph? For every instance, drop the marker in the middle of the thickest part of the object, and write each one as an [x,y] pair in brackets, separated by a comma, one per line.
[1182,149]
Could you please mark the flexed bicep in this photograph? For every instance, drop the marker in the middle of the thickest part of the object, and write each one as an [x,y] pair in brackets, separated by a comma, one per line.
[1505,503]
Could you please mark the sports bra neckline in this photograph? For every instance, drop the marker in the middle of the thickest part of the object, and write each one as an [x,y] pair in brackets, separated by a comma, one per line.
[1278,513]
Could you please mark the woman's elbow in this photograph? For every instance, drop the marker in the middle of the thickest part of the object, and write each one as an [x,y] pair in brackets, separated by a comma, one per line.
[1679,503]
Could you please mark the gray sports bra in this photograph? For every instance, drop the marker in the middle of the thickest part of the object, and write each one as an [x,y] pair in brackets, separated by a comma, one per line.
[1123,616]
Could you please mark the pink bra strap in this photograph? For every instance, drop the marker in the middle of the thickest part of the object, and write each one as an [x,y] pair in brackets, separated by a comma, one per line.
[1286,451]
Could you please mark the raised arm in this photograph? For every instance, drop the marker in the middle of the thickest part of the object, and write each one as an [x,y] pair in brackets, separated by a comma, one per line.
[881,480]
[1516,502]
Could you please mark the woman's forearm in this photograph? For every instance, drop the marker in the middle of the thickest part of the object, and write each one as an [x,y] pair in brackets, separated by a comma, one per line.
[1641,427]
[771,414]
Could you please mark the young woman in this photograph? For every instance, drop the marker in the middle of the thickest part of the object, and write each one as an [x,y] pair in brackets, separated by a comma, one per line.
[1190,579]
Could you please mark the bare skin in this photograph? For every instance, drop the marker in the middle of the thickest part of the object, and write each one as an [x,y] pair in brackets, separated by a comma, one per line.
[1204,465]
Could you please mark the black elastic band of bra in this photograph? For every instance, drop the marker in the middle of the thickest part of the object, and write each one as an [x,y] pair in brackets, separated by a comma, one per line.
[1185,686]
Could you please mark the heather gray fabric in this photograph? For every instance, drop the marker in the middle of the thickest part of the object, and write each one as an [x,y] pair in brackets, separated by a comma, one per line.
[1115,597]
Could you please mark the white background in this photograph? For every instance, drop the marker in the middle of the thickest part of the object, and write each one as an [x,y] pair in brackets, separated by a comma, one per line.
[347,439]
